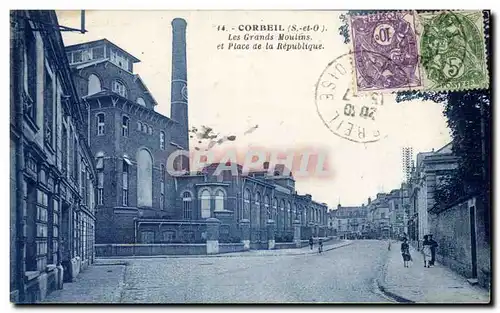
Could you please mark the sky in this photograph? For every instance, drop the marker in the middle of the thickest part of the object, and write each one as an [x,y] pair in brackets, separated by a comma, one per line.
[232,91]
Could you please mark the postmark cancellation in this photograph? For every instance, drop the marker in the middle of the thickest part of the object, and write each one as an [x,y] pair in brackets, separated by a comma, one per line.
[403,50]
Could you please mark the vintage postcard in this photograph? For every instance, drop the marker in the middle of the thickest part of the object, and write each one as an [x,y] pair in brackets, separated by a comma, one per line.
[306,156]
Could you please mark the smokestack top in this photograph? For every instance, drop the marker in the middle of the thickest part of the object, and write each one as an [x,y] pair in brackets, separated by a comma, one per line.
[179,22]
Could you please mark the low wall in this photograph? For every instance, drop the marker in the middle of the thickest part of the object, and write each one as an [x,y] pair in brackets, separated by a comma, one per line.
[303,243]
[231,247]
[113,250]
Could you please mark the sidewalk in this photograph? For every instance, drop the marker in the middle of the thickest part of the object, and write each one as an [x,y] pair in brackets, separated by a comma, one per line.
[416,283]
[96,284]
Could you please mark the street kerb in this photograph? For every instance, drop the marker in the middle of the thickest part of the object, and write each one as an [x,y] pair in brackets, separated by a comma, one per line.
[381,282]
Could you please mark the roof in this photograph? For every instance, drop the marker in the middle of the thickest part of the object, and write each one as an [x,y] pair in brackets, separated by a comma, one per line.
[103,41]
[107,92]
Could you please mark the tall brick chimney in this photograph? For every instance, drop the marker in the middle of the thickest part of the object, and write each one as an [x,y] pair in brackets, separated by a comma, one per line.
[179,96]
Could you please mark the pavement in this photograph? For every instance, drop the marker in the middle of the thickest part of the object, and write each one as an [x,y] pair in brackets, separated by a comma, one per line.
[341,274]
[96,284]
[418,284]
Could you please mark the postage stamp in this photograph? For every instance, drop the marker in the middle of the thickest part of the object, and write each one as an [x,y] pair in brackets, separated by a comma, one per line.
[385,51]
[344,113]
[453,50]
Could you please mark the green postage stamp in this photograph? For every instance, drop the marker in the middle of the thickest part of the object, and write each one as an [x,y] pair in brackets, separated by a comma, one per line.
[452,48]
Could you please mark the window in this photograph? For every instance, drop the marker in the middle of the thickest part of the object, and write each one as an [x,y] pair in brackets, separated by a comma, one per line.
[83,183]
[275,209]
[75,159]
[100,124]
[64,148]
[162,140]
[148,236]
[94,84]
[77,56]
[150,130]
[31,72]
[255,218]
[144,128]
[162,187]
[141,101]
[246,204]
[139,126]
[205,204]
[144,178]
[42,207]
[168,236]
[186,205]
[97,53]
[48,107]
[219,200]
[124,183]
[86,55]
[100,187]
[70,57]
[119,88]
[266,208]
[125,126]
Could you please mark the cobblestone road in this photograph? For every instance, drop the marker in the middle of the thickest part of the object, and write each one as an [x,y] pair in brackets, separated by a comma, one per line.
[342,275]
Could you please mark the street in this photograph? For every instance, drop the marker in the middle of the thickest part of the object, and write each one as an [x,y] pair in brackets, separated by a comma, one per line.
[342,275]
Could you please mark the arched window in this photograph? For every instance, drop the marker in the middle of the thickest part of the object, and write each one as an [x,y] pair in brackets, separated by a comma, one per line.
[205,204]
[144,178]
[162,140]
[144,128]
[139,126]
[94,84]
[141,101]
[100,124]
[187,200]
[125,120]
[246,204]
[219,200]
[255,221]
[294,213]
[125,183]
[162,187]
[289,214]
[274,210]
[281,217]
[266,208]
[150,130]
[120,88]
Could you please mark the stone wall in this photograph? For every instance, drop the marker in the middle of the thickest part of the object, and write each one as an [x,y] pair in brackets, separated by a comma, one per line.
[452,231]
[114,250]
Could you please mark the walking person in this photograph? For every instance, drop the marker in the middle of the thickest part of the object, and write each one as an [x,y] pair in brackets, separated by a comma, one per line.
[311,242]
[405,252]
[427,251]
[320,245]
[434,245]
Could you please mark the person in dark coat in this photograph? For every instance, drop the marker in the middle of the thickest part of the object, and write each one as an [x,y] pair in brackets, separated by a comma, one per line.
[434,245]
[311,242]
[405,252]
